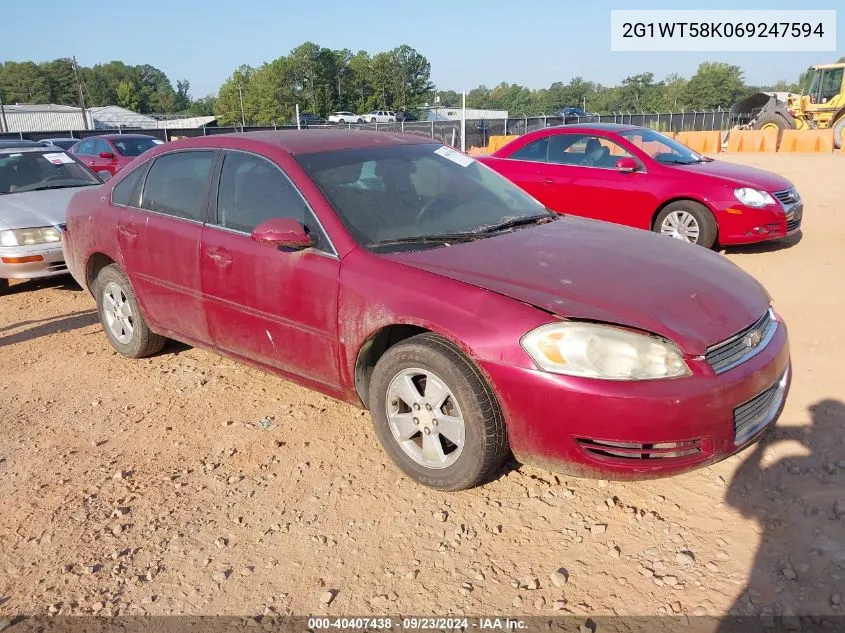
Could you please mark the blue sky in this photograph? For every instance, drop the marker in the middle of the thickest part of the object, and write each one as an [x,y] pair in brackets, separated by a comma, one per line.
[468,42]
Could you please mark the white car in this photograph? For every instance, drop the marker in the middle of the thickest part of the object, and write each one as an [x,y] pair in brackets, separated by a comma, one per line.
[345,117]
[380,116]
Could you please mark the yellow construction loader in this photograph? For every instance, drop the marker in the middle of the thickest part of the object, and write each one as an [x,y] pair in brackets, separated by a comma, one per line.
[823,107]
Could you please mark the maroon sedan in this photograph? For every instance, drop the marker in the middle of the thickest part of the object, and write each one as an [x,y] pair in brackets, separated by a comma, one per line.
[638,177]
[398,275]
[109,153]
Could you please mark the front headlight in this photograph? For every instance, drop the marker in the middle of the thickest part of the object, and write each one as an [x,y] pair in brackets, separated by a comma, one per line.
[753,197]
[602,351]
[29,237]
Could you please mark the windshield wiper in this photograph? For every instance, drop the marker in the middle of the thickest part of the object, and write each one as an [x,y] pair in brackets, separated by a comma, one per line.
[531,219]
[433,238]
[44,187]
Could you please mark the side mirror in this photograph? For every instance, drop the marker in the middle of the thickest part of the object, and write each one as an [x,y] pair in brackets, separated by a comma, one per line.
[627,165]
[282,232]
[106,154]
[105,176]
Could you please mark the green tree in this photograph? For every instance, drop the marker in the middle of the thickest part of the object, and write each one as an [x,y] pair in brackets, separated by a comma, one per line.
[715,85]
[23,82]
[127,96]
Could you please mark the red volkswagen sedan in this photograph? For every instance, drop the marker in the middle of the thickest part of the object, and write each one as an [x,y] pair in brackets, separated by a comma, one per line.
[640,178]
[399,275]
[109,153]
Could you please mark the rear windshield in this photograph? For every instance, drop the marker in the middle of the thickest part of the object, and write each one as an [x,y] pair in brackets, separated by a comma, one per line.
[34,171]
[133,146]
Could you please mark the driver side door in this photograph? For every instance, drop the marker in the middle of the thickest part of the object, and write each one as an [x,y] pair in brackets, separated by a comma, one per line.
[273,306]
[585,182]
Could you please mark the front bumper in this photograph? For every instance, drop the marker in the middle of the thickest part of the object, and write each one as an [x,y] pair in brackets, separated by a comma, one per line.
[744,225]
[48,261]
[639,430]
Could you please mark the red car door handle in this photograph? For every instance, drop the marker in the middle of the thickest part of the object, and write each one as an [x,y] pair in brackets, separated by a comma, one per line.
[547,181]
[219,256]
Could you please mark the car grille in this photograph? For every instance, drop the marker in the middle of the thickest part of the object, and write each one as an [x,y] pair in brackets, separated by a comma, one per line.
[752,416]
[792,222]
[639,450]
[743,345]
[787,196]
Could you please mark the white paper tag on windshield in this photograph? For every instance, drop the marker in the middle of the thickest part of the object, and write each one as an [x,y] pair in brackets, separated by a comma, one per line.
[455,156]
[59,158]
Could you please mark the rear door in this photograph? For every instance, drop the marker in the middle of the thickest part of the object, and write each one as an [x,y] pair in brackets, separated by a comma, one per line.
[160,241]
[273,306]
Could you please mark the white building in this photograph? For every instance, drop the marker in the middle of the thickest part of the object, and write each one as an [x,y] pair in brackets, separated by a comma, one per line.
[61,118]
[442,113]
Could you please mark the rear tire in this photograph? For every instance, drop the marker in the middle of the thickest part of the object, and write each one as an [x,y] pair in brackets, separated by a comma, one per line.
[688,221]
[771,119]
[839,133]
[120,315]
[456,444]
[4,286]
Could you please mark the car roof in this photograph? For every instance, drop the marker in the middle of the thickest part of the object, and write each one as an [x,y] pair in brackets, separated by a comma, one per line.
[60,138]
[597,127]
[116,136]
[307,141]
[4,142]
[35,149]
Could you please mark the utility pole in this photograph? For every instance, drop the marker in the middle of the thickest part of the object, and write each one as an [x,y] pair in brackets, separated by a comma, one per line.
[241,95]
[81,96]
[4,126]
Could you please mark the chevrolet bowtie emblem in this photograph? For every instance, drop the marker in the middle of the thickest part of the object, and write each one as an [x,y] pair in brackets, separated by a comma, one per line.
[752,340]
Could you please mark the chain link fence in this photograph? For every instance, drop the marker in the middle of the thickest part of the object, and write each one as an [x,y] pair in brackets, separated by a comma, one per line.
[478,132]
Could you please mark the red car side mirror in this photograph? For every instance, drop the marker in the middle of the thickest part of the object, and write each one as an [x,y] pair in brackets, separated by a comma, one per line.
[106,154]
[282,232]
[627,165]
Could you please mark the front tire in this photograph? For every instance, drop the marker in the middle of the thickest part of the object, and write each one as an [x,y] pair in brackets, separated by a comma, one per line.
[435,415]
[688,221]
[839,133]
[341,121]
[772,120]
[120,315]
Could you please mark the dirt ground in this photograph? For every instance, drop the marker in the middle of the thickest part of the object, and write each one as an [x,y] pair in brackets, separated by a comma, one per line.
[188,484]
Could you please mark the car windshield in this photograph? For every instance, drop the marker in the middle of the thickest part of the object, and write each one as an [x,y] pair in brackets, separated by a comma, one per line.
[418,194]
[133,146]
[34,171]
[64,144]
[662,148]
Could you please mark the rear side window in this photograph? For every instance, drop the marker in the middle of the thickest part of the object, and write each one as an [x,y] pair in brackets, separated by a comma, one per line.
[125,193]
[176,184]
[534,152]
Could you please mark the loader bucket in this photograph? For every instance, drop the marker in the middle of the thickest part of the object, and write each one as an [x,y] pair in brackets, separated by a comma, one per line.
[746,110]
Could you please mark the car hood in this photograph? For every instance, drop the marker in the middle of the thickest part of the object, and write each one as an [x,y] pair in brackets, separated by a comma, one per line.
[586,269]
[35,208]
[739,174]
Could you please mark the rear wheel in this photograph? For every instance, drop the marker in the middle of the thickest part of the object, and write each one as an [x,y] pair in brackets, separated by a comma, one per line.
[341,121]
[435,415]
[121,317]
[839,133]
[4,286]
[688,221]
[772,121]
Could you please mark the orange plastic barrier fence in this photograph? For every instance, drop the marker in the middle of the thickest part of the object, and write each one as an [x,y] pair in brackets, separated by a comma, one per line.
[815,141]
[497,142]
[477,151]
[701,142]
[753,140]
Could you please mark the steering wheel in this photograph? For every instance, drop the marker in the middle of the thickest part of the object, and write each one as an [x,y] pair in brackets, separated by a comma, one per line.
[428,206]
[54,177]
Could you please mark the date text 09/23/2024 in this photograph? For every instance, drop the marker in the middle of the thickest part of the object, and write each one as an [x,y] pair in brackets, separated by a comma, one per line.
[417,624]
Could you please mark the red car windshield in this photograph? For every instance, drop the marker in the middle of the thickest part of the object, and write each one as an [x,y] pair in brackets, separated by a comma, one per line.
[133,146]
[662,148]
[412,192]
[33,171]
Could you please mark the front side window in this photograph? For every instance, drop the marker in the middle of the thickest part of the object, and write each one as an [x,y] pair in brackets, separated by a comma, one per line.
[662,148]
[35,171]
[584,150]
[384,195]
[86,148]
[252,190]
[176,184]
[831,84]
[101,146]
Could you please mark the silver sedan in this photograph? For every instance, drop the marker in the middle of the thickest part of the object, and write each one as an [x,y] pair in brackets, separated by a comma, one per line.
[36,185]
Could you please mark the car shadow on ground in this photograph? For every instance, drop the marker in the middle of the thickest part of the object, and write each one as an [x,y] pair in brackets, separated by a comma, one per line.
[63,282]
[798,504]
[46,327]
[764,247]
